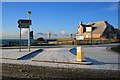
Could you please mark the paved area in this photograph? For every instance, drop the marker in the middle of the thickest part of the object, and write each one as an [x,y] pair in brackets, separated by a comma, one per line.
[14,53]
[101,58]
[101,54]
[56,54]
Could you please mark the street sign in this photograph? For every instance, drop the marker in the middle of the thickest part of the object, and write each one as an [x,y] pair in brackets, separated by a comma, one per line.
[31,34]
[23,26]
[20,21]
[24,23]
[79,37]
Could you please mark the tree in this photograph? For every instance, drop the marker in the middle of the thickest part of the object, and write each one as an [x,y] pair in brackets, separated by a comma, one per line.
[40,39]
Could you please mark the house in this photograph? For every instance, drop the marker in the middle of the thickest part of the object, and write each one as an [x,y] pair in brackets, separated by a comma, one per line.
[117,31]
[96,30]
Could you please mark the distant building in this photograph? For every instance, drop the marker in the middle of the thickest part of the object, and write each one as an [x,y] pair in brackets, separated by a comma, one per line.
[97,30]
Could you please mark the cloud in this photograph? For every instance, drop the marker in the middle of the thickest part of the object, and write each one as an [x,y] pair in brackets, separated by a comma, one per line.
[10,36]
[42,34]
[24,31]
[45,35]
[63,32]
[113,7]
[55,35]
[24,35]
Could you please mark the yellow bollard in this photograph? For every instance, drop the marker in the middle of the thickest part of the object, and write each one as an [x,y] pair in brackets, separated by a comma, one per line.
[80,54]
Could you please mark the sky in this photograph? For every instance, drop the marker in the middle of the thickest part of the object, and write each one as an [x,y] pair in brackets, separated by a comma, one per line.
[59,18]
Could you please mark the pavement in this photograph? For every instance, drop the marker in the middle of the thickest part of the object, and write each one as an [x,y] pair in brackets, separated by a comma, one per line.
[15,53]
[99,56]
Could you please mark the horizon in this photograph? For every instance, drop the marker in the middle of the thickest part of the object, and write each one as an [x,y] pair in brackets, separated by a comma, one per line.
[59,18]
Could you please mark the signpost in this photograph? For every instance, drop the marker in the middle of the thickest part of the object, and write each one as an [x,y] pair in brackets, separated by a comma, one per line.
[24,24]
[31,34]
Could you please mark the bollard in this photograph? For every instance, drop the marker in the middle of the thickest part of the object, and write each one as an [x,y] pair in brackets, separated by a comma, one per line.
[80,54]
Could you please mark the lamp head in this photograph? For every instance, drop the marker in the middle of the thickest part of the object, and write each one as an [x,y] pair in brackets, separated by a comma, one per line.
[29,12]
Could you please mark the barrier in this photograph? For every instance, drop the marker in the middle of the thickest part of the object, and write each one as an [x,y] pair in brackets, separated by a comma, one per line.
[80,54]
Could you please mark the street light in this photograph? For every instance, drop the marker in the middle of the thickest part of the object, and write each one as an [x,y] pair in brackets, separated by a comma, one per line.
[29,12]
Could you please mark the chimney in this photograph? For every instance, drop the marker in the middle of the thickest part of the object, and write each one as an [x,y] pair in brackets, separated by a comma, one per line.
[80,23]
[105,21]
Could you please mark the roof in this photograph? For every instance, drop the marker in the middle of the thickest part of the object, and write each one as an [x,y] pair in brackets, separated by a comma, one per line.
[117,31]
[99,27]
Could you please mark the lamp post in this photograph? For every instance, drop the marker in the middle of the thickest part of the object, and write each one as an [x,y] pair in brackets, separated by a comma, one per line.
[29,12]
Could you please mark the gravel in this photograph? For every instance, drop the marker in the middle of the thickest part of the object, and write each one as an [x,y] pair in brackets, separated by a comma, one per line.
[17,71]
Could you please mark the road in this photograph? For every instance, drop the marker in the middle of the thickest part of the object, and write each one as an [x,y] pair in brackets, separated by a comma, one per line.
[59,46]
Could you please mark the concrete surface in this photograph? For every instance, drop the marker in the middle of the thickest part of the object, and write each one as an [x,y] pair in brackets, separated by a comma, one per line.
[14,53]
[101,58]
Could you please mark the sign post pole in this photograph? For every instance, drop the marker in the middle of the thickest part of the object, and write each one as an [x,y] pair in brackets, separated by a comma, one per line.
[29,39]
[20,41]
[24,24]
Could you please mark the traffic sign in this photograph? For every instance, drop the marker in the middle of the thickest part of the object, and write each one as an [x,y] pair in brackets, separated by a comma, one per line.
[24,23]
[31,34]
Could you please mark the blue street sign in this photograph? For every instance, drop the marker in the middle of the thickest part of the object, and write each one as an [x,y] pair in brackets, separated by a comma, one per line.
[31,34]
